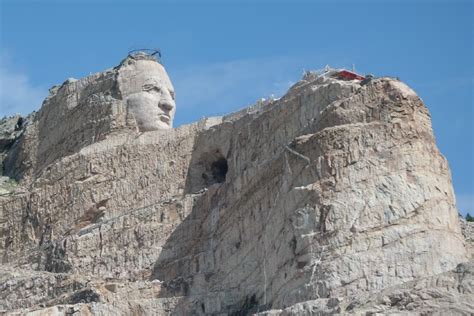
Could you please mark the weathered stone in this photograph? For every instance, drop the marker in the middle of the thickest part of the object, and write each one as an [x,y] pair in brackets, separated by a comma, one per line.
[332,199]
[12,137]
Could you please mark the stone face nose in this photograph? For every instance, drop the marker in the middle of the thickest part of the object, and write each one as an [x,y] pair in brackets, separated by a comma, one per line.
[166,105]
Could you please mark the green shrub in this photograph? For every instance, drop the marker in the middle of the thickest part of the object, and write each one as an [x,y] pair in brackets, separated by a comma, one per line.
[469,218]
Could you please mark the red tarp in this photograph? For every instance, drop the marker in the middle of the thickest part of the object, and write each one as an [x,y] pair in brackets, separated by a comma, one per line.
[349,75]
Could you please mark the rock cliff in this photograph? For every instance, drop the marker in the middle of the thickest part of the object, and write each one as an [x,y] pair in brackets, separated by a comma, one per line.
[331,199]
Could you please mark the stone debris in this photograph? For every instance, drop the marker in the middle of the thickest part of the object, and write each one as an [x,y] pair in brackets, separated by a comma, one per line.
[331,199]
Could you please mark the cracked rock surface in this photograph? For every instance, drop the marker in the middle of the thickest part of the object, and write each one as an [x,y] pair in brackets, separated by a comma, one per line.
[331,199]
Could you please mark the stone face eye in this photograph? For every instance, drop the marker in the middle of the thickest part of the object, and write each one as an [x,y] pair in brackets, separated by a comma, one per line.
[172,94]
[151,88]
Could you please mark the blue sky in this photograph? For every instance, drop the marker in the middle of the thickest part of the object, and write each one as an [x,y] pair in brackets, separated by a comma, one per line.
[224,55]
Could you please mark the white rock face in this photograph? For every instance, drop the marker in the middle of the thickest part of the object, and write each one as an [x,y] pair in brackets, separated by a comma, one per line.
[307,204]
[148,92]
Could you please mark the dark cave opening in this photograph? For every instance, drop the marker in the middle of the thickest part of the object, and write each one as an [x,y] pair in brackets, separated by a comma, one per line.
[207,168]
[219,170]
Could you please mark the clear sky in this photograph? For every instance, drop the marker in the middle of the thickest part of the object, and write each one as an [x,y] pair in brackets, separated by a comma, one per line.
[224,55]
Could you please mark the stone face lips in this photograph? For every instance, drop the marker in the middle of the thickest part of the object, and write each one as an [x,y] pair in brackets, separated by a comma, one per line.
[333,192]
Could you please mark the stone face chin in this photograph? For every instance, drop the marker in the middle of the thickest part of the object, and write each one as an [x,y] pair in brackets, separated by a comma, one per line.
[331,199]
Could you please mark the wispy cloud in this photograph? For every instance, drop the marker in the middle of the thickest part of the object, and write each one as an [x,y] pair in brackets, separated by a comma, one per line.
[17,93]
[202,90]
[219,88]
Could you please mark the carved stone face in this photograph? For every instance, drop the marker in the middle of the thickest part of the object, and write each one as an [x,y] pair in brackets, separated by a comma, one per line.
[149,94]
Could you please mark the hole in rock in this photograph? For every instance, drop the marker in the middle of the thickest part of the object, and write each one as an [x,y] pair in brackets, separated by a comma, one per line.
[210,168]
[219,170]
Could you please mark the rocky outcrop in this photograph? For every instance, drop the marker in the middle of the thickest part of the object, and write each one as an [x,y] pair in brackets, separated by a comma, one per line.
[448,293]
[14,135]
[333,198]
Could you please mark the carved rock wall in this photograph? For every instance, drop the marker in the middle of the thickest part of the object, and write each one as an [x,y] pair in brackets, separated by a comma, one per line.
[335,191]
